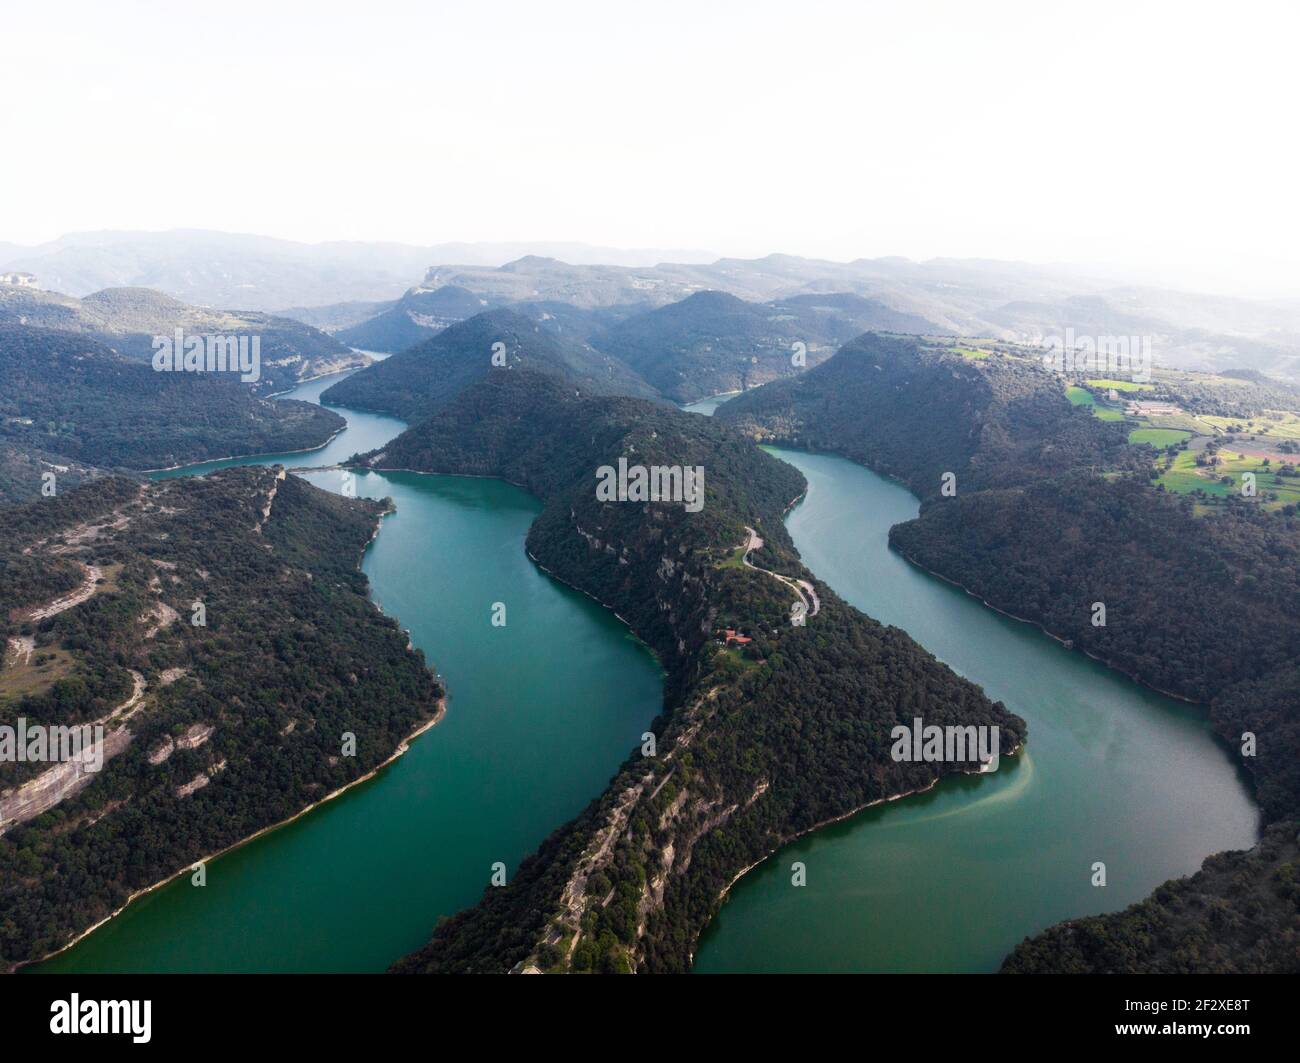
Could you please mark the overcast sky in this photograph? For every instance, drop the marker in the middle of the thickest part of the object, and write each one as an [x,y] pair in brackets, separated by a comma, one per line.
[1157,137]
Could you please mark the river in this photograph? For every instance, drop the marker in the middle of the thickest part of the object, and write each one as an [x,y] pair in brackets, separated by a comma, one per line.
[544,709]
[541,713]
[953,879]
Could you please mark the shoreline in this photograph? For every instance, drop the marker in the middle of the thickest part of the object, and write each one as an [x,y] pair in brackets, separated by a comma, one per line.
[722,896]
[723,395]
[275,395]
[440,711]
[560,579]
[428,472]
[332,372]
[247,457]
[528,553]
[1066,643]
[853,812]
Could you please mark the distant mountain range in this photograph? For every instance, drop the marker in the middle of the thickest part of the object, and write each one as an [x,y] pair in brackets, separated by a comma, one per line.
[357,289]
[261,273]
[128,320]
[1013,301]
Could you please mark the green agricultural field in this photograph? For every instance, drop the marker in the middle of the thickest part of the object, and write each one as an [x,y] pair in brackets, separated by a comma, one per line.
[1181,422]
[1102,411]
[970,352]
[1184,477]
[1270,427]
[1158,437]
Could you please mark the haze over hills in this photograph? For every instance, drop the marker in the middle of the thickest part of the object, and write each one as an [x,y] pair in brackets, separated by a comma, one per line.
[422,313]
[707,343]
[1014,301]
[333,284]
[263,273]
[128,320]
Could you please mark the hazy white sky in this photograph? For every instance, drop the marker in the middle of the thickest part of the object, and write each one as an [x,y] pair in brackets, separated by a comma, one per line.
[1149,135]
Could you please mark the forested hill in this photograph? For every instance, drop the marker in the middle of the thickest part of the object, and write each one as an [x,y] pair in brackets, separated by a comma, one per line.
[916,409]
[415,382]
[128,319]
[414,318]
[68,397]
[531,430]
[422,313]
[22,470]
[1054,514]
[1194,606]
[213,730]
[712,342]
[758,742]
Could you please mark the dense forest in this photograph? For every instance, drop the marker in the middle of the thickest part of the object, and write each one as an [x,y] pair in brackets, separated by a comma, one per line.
[417,381]
[71,398]
[756,743]
[240,722]
[915,410]
[1251,396]
[712,342]
[1193,606]
[1053,512]
[21,469]
[127,320]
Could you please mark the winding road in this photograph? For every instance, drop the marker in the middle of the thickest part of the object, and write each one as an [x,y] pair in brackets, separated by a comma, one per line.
[801,587]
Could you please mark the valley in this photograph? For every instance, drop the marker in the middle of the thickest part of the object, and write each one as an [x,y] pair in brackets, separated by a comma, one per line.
[767,489]
[1079,717]
[953,879]
[518,750]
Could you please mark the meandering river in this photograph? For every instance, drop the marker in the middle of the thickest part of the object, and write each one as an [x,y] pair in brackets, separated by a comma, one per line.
[543,710]
[953,879]
[541,713]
